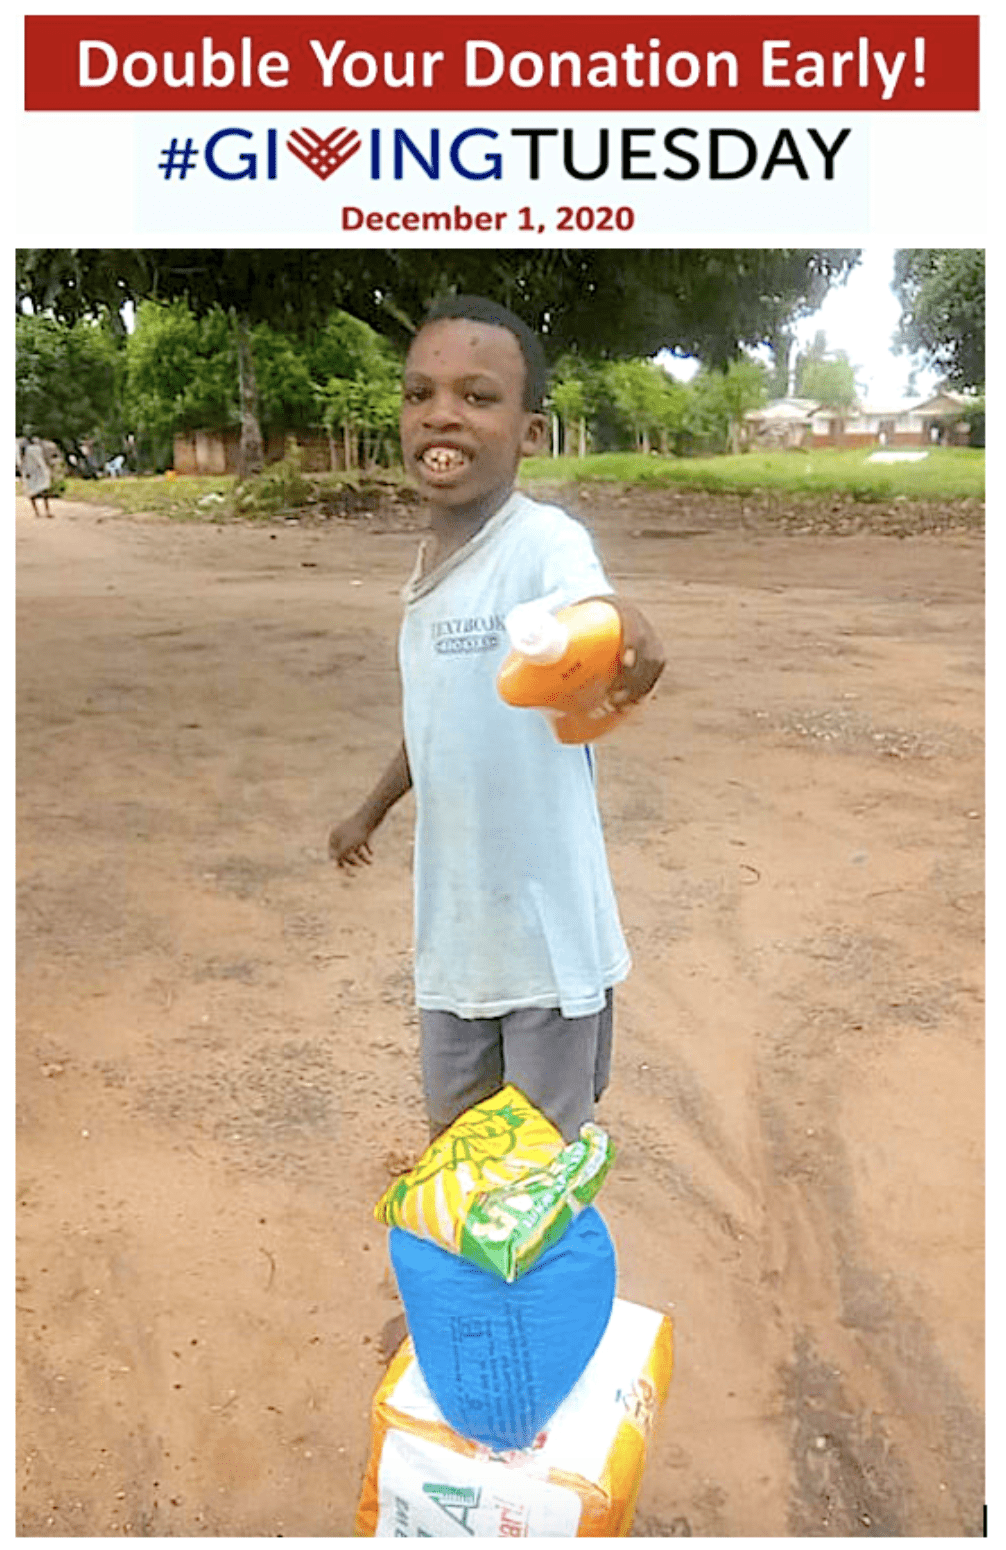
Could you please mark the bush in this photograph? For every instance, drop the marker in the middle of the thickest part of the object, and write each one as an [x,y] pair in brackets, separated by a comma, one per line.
[280,487]
[345,495]
[975,416]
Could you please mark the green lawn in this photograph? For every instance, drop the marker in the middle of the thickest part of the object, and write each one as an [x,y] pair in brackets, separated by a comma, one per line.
[178,497]
[191,496]
[946,473]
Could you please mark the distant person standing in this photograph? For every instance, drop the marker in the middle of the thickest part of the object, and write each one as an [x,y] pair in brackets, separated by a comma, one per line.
[35,475]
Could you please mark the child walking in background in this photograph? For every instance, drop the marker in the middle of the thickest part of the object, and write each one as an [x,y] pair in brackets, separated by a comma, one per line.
[35,476]
[518,944]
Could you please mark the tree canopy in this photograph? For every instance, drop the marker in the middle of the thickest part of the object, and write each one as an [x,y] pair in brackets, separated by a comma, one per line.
[827,376]
[942,296]
[179,371]
[67,380]
[314,336]
[180,375]
[608,302]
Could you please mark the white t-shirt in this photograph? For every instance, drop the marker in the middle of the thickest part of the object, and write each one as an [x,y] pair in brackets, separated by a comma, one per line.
[514,905]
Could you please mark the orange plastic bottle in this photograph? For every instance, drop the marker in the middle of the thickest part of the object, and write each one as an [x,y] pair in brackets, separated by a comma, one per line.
[564,664]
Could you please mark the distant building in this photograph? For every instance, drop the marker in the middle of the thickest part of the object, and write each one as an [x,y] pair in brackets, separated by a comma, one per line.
[801,422]
[942,418]
[785,422]
[218,452]
[868,425]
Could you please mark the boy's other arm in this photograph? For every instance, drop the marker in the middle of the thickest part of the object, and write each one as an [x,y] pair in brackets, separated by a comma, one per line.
[349,841]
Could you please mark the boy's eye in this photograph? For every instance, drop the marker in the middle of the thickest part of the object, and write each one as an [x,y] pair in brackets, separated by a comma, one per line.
[419,392]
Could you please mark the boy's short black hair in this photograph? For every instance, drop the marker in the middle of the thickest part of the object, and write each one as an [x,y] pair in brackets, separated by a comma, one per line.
[479,309]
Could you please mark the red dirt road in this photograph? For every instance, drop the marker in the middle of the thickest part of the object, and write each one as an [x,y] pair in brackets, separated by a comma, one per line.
[217,1051]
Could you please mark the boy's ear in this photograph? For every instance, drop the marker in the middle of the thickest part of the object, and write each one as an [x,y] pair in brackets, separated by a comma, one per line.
[535,433]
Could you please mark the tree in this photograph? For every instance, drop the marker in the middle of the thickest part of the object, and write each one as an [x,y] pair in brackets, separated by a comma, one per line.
[637,391]
[974,414]
[606,302]
[180,375]
[708,422]
[345,346]
[826,376]
[780,342]
[942,296]
[568,392]
[817,350]
[357,384]
[673,412]
[745,387]
[830,382]
[719,400]
[377,402]
[286,394]
[68,382]
[335,404]
[294,290]
[614,302]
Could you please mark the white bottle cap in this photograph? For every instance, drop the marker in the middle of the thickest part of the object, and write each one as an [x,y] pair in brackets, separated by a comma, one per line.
[536,633]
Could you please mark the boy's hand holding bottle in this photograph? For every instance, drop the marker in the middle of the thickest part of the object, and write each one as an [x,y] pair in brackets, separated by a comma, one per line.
[584,666]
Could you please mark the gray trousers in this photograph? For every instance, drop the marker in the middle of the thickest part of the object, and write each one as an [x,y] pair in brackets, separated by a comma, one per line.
[561,1063]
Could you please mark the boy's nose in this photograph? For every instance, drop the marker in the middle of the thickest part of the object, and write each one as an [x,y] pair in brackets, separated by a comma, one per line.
[440,410]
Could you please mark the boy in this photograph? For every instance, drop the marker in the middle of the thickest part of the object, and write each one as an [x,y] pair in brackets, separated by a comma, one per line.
[517,937]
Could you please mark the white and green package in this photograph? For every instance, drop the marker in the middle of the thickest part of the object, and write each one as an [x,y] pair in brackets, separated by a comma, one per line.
[505,1229]
[499,1186]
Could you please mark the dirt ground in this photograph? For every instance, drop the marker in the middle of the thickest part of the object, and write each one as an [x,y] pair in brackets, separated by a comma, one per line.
[217,1056]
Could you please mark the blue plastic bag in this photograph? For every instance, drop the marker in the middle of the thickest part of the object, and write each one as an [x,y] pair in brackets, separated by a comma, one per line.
[500,1357]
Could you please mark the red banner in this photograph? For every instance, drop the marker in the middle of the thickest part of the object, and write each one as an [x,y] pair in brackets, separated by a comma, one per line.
[791,64]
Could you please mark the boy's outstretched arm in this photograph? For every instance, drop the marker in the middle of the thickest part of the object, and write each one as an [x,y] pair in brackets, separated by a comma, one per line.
[349,841]
[642,654]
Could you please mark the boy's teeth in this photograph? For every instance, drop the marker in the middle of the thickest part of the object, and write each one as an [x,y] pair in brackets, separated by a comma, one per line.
[440,459]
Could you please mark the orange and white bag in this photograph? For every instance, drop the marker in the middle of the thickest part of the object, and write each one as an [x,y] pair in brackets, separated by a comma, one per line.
[580,1479]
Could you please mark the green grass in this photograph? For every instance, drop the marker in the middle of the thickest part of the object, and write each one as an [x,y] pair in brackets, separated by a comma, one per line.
[180,497]
[947,473]
[167,497]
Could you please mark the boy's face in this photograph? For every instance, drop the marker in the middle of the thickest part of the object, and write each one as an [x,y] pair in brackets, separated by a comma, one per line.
[464,427]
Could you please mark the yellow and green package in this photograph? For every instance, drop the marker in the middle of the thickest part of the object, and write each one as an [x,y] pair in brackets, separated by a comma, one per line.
[499,1186]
